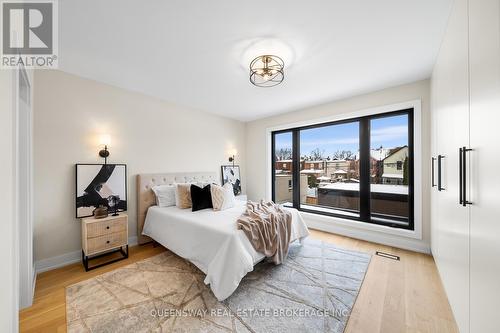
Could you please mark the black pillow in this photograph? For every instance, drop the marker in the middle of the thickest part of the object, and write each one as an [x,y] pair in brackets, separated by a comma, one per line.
[201,197]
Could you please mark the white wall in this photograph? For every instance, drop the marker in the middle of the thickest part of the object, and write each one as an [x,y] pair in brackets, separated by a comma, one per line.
[8,279]
[256,151]
[147,134]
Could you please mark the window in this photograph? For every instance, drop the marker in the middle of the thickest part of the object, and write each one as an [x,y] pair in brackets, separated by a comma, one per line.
[328,152]
[359,169]
[390,173]
[282,175]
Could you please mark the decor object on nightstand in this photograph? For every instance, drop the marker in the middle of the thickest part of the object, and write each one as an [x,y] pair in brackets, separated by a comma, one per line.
[101,212]
[102,237]
[95,183]
[231,174]
[113,201]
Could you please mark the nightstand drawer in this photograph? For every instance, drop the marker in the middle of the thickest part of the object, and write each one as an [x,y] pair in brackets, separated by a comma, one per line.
[106,242]
[106,227]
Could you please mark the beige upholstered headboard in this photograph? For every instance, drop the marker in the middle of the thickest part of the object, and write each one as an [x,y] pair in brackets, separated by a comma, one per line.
[146,197]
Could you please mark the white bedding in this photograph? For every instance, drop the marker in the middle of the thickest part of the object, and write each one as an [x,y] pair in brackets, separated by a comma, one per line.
[211,241]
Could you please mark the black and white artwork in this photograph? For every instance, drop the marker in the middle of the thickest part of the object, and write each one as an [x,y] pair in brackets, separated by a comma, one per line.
[100,184]
[231,174]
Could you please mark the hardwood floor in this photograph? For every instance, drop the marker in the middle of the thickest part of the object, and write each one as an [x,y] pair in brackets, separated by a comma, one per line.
[48,313]
[396,296]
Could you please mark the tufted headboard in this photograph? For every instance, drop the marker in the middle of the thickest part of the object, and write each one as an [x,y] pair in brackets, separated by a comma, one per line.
[146,197]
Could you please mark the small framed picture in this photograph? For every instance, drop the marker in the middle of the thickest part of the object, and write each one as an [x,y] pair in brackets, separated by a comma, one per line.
[231,174]
[100,184]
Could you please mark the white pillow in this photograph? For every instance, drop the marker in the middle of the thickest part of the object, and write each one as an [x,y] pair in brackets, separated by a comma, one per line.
[222,196]
[165,195]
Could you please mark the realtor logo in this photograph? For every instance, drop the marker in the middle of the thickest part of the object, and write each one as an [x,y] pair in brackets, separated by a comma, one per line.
[29,34]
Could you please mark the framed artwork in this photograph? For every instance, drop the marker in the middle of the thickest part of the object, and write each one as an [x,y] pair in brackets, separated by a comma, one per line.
[231,174]
[100,184]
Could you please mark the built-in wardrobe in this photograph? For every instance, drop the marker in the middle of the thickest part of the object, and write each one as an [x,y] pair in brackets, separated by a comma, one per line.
[465,217]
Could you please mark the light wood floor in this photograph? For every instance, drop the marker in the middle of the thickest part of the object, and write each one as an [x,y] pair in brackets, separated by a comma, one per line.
[396,296]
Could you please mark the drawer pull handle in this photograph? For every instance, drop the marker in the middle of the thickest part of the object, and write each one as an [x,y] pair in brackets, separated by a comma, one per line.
[107,227]
[107,242]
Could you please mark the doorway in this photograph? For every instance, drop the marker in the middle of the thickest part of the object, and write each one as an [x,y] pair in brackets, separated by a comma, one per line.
[24,180]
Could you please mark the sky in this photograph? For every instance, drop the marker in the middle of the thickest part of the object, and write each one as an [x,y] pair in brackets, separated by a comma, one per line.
[388,132]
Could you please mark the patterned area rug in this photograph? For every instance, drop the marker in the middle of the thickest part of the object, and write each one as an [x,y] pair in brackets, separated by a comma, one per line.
[313,291]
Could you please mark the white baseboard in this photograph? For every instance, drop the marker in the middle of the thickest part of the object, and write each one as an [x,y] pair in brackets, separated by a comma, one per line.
[368,235]
[132,241]
[34,284]
[67,259]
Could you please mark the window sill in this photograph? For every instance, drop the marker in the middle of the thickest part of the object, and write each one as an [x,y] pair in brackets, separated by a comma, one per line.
[352,224]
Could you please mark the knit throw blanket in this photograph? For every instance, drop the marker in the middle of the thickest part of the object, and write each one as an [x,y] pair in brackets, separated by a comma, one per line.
[268,227]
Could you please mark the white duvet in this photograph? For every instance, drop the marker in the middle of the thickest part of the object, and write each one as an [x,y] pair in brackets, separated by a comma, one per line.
[211,241]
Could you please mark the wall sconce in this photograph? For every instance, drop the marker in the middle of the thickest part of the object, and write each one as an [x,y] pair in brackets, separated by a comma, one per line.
[104,140]
[232,152]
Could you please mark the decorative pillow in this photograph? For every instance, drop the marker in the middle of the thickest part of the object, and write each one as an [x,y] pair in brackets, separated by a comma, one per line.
[222,196]
[183,196]
[201,184]
[200,197]
[165,195]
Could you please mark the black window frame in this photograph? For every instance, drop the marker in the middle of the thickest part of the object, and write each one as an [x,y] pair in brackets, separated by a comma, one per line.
[364,168]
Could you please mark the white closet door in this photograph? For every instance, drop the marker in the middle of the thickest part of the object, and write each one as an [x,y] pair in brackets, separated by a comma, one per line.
[450,88]
[485,165]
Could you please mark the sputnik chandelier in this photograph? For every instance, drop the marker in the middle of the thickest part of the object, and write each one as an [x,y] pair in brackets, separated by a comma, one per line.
[267,71]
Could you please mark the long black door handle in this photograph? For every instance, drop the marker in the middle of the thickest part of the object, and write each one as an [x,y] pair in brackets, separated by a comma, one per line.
[465,202]
[460,176]
[440,157]
[433,184]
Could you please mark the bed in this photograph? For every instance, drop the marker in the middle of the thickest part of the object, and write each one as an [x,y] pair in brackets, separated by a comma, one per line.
[208,239]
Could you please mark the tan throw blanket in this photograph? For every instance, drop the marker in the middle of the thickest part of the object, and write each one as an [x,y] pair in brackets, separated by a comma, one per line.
[268,227]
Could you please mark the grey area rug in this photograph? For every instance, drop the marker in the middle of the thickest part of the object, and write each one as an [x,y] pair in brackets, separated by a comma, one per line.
[313,291]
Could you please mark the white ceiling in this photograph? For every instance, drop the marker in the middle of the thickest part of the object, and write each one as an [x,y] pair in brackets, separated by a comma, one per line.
[196,53]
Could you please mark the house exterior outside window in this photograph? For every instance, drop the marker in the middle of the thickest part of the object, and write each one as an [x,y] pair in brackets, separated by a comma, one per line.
[359,168]
[393,166]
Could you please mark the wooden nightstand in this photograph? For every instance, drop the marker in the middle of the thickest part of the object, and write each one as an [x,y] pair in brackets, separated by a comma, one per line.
[101,237]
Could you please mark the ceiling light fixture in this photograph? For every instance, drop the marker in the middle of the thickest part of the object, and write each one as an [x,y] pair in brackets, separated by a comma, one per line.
[267,71]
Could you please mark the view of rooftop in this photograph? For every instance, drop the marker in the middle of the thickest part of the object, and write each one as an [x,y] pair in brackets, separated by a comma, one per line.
[330,163]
